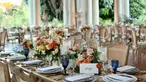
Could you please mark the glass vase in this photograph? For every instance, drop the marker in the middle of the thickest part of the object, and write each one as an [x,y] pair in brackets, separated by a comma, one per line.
[55,61]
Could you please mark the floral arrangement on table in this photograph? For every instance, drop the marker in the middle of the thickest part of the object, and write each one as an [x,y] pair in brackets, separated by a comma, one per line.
[91,55]
[74,51]
[27,44]
[48,45]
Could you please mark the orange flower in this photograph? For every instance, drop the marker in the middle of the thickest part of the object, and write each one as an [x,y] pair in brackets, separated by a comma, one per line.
[99,66]
[50,45]
[79,62]
[28,45]
[86,61]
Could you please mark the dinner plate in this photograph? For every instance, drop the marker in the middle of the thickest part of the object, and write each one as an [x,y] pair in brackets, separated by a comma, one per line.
[46,72]
[31,62]
[108,78]
[75,78]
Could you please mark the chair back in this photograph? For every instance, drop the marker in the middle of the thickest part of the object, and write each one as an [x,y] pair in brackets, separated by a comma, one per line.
[134,38]
[102,33]
[109,33]
[4,71]
[3,36]
[118,52]
[36,77]
[77,37]
[18,74]
[92,43]
[87,31]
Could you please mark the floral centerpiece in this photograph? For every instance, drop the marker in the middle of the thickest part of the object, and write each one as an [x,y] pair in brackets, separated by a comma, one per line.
[48,46]
[76,50]
[27,45]
[91,55]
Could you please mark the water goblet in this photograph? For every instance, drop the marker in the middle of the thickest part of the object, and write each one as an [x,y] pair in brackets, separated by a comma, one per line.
[65,62]
[115,64]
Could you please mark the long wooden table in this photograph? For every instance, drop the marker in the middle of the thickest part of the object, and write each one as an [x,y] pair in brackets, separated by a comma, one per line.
[58,77]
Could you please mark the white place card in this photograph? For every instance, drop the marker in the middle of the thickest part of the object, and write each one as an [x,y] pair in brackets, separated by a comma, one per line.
[89,68]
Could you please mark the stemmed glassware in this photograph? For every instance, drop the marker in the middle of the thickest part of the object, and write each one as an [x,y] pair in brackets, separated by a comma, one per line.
[65,62]
[73,65]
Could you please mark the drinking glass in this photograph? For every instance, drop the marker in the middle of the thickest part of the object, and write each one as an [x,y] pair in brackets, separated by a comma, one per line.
[65,62]
[115,64]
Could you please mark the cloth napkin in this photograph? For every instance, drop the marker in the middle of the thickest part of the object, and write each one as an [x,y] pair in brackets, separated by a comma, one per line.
[4,54]
[126,69]
[50,69]
[16,57]
[79,78]
[120,78]
[31,62]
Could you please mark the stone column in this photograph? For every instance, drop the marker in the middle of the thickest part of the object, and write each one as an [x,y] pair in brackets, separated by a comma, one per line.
[34,9]
[31,13]
[125,6]
[38,15]
[84,11]
[116,11]
[69,13]
[65,12]
[89,15]
[95,12]
[120,10]
[73,22]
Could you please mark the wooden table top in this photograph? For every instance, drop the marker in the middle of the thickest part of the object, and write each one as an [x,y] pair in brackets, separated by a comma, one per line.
[58,77]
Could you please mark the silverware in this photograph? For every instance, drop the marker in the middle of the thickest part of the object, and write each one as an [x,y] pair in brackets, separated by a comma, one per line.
[126,76]
[111,78]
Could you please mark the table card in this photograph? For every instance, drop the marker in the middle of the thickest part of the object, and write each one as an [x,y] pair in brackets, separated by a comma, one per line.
[89,68]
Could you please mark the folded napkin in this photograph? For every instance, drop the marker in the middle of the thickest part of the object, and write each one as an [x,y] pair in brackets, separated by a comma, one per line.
[79,78]
[121,78]
[16,57]
[31,62]
[50,69]
[126,69]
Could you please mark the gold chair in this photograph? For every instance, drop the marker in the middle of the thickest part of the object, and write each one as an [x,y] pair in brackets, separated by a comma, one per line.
[139,51]
[19,74]
[4,71]
[119,52]
[77,37]
[102,35]
[93,43]
[35,77]
[3,36]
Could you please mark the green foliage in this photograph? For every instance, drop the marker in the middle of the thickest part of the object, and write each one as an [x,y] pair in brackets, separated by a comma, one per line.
[96,56]
[106,9]
[105,22]
[137,7]
[141,20]
[17,16]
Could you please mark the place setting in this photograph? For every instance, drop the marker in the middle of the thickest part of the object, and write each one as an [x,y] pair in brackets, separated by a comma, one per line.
[120,74]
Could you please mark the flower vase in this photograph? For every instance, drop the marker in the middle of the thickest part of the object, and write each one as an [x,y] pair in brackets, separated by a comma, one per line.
[55,61]
[26,52]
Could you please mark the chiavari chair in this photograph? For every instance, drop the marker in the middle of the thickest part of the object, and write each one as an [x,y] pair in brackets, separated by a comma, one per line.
[4,71]
[118,51]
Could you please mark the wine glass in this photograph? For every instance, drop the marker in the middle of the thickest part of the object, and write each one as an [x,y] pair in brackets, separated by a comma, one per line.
[115,64]
[65,62]
[73,65]
[107,66]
